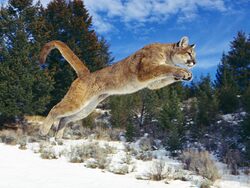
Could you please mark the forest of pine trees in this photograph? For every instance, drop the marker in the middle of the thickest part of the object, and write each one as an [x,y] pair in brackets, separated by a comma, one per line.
[176,114]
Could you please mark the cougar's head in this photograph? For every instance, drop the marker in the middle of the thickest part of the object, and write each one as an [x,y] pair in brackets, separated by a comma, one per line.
[184,54]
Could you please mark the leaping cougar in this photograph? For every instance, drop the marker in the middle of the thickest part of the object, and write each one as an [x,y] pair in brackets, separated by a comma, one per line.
[154,66]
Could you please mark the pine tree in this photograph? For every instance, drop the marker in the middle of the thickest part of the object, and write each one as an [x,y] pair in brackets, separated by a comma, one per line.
[145,107]
[226,86]
[235,64]
[121,110]
[24,86]
[207,103]
[233,73]
[239,60]
[172,119]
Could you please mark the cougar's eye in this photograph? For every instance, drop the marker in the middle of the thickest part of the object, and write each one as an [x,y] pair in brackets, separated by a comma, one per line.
[190,55]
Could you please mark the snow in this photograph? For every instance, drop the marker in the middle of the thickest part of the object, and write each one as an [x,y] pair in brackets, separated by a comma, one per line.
[230,181]
[24,169]
[228,117]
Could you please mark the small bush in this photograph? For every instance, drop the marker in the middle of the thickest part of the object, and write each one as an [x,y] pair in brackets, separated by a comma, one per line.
[10,137]
[119,168]
[233,160]
[48,153]
[145,144]
[96,131]
[206,184]
[22,143]
[201,163]
[144,156]
[81,153]
[158,171]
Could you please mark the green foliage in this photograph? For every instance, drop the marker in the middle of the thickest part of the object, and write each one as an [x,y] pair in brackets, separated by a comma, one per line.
[139,108]
[228,100]
[172,119]
[207,103]
[121,113]
[25,88]
[239,60]
[227,89]
[146,105]
[130,132]
[233,73]
[246,99]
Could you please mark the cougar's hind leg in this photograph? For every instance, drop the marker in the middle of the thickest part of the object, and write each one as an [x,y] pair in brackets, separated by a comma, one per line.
[79,115]
[61,110]
[62,125]
[66,120]
[47,124]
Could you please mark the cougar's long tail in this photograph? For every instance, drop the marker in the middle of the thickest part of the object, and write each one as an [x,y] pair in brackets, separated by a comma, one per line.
[67,53]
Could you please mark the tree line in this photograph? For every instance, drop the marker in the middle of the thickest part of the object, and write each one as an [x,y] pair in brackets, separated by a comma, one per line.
[26,87]
[175,114]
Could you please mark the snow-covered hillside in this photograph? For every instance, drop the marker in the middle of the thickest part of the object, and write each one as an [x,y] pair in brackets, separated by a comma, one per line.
[26,169]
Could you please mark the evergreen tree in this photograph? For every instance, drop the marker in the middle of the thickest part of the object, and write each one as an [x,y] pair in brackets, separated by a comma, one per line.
[227,89]
[70,22]
[233,73]
[239,60]
[207,103]
[121,110]
[172,119]
[236,64]
[24,86]
[145,107]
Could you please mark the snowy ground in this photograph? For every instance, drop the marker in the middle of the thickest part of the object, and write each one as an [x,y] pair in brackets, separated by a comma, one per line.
[24,169]
[230,181]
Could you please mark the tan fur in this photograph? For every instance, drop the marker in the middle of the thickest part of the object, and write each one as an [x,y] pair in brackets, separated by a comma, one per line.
[153,67]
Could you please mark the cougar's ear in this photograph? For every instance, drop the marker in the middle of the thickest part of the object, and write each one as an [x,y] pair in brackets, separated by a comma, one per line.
[193,45]
[183,42]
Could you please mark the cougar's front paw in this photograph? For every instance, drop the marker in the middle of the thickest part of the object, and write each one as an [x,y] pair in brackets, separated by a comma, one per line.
[183,74]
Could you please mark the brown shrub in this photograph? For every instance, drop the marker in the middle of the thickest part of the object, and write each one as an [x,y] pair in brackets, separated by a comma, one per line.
[80,153]
[201,163]
[10,136]
[158,171]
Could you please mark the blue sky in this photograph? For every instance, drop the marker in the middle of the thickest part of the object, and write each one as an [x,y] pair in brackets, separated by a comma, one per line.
[128,25]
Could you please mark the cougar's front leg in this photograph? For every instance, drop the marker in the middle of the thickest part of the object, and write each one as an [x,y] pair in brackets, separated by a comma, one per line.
[161,83]
[154,72]
[182,74]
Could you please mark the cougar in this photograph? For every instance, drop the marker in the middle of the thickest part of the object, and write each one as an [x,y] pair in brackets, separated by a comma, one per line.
[154,66]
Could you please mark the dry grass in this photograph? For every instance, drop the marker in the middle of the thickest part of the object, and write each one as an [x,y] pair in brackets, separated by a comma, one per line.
[206,184]
[158,171]
[233,160]
[201,163]
[11,137]
[47,151]
[81,153]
